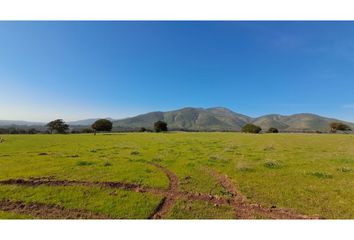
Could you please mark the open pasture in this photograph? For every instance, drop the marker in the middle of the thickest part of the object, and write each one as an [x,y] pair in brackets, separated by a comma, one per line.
[177,175]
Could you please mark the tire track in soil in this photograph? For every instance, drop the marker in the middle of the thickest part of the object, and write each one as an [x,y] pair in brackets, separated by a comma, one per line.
[48,211]
[171,196]
[243,209]
[246,210]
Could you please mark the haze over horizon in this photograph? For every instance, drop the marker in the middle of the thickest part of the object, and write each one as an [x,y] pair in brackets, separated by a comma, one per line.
[79,70]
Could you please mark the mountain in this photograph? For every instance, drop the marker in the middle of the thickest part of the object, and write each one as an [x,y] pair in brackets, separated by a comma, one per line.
[297,122]
[223,119]
[202,119]
[86,122]
[197,119]
[19,123]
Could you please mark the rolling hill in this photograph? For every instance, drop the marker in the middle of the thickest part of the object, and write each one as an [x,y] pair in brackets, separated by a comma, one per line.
[202,119]
[223,119]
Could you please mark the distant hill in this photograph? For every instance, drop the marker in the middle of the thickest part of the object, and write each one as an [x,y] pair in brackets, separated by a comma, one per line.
[210,119]
[19,123]
[86,122]
[297,122]
[223,119]
[203,119]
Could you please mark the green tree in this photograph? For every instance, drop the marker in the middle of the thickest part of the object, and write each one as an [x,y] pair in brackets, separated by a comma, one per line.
[160,126]
[338,126]
[102,125]
[57,125]
[251,128]
[273,130]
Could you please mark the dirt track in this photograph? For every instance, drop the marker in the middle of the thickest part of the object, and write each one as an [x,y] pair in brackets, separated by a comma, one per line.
[243,208]
[169,200]
[246,210]
[46,211]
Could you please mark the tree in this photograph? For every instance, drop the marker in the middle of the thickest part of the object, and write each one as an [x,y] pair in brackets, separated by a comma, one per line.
[142,129]
[337,126]
[273,130]
[251,128]
[160,126]
[102,125]
[58,125]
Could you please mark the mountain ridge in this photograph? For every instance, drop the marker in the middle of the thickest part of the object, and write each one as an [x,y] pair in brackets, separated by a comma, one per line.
[207,119]
[223,119]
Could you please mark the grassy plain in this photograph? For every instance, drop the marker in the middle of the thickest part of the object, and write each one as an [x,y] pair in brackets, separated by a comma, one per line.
[312,174]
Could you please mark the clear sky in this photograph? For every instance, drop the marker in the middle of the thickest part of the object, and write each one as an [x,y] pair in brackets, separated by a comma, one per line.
[77,70]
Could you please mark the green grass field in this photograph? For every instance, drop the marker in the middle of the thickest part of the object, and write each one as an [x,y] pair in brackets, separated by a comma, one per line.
[310,174]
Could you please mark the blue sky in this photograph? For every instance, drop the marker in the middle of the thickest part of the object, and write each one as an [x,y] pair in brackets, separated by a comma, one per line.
[77,70]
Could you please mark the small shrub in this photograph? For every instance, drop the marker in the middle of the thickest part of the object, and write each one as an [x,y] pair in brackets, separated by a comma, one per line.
[344,169]
[269,148]
[272,164]
[107,164]
[251,128]
[321,175]
[42,154]
[134,153]
[273,130]
[74,156]
[85,163]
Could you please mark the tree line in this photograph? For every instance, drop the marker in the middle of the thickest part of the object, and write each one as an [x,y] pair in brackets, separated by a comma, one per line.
[101,125]
[334,127]
[104,125]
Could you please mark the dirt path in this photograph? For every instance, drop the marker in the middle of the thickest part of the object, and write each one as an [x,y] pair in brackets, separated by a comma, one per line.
[46,211]
[246,210]
[52,182]
[169,200]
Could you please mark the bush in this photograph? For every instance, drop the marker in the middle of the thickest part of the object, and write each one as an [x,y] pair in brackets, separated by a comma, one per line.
[142,129]
[337,126]
[273,130]
[87,130]
[160,126]
[251,128]
[102,125]
[272,164]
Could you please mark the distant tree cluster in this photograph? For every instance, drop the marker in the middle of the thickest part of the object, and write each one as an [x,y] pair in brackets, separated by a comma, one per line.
[102,125]
[251,128]
[338,126]
[272,130]
[160,126]
[13,130]
[58,126]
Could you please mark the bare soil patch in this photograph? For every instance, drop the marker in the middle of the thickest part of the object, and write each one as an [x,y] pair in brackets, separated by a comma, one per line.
[46,211]
[169,200]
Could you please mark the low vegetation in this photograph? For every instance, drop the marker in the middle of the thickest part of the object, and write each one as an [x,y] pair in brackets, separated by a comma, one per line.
[124,175]
[338,126]
[160,126]
[251,128]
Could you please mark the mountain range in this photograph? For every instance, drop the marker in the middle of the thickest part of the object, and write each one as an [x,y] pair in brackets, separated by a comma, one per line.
[223,119]
[209,119]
